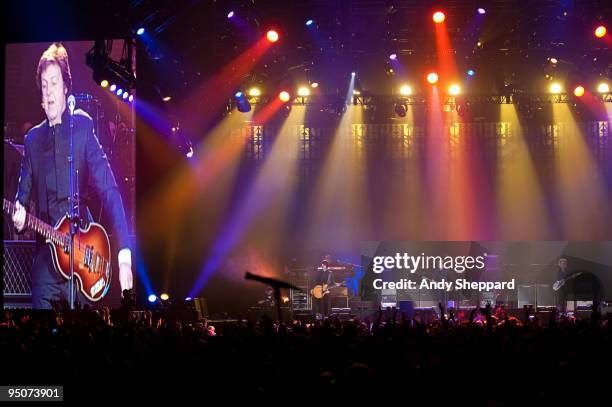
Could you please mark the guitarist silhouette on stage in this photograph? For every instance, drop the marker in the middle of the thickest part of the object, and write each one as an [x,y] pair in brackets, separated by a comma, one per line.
[562,284]
[325,278]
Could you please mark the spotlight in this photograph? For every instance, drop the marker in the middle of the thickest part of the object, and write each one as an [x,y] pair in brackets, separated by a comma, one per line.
[432,78]
[356,92]
[314,85]
[119,92]
[352,73]
[463,108]
[481,10]
[393,57]
[439,17]
[284,96]
[190,152]
[600,31]
[471,72]
[406,90]
[286,109]
[603,88]
[272,36]
[254,92]
[152,298]
[400,109]
[579,90]
[167,98]
[230,14]
[164,297]
[113,87]
[555,88]
[104,83]
[188,298]
[105,68]
[131,98]
[140,31]
[125,95]
[553,60]
[309,22]
[454,89]
[303,91]
[242,104]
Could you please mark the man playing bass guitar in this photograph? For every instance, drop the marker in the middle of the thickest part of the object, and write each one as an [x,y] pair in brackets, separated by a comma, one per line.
[562,284]
[44,176]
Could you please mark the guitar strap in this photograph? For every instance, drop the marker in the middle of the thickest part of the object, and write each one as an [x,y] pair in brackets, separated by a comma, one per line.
[48,177]
[52,185]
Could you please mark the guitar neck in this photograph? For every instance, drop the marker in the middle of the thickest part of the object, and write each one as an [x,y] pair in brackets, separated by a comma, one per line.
[39,226]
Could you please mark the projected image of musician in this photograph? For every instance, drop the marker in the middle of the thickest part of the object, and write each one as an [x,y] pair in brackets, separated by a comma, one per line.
[44,176]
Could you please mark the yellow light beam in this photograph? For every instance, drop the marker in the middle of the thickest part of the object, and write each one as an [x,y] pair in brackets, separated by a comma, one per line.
[580,191]
[521,209]
[338,207]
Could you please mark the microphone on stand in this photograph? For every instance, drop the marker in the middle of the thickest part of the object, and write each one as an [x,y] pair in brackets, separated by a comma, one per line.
[272,282]
[276,285]
[73,199]
[71,104]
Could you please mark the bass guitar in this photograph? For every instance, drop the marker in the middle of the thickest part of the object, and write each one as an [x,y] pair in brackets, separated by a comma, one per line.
[560,283]
[91,248]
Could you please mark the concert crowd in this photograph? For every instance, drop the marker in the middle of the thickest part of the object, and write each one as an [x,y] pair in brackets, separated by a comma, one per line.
[489,358]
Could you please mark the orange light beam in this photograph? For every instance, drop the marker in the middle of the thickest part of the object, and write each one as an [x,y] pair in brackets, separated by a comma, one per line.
[447,66]
[214,92]
[265,114]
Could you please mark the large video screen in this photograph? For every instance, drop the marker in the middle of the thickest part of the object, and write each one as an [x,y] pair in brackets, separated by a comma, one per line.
[56,108]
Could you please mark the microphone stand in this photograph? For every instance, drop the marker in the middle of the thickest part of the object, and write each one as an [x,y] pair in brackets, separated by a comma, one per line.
[276,285]
[73,201]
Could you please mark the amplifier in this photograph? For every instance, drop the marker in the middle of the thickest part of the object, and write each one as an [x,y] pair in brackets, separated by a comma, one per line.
[339,302]
[338,291]
[545,316]
[299,299]
[17,260]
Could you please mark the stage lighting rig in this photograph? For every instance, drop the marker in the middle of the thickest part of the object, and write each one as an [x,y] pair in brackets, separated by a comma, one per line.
[400,109]
[106,70]
[579,91]
[405,90]
[389,70]
[463,107]
[438,17]
[242,103]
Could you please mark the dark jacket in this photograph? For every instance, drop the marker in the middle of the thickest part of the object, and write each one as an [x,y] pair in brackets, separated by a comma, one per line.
[90,161]
[325,277]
